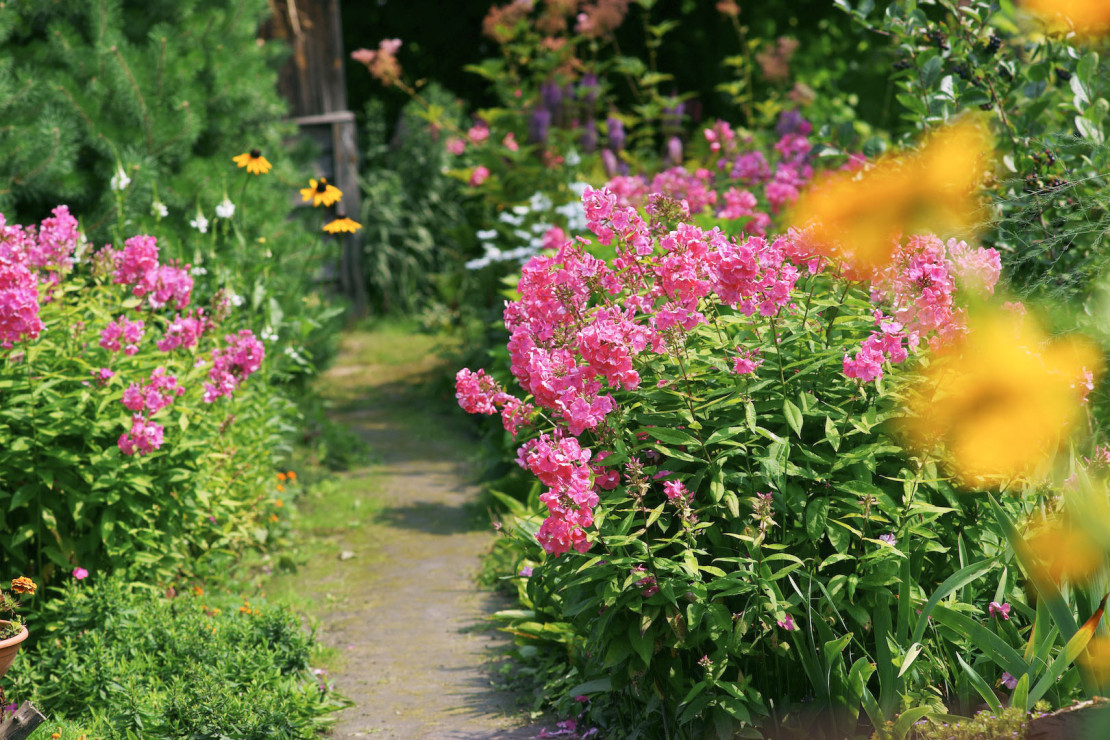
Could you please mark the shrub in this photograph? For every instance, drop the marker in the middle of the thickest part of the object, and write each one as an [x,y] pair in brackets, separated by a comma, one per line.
[131,434]
[124,660]
[732,535]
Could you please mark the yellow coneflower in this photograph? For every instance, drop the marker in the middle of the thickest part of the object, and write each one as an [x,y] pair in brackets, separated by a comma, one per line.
[253,160]
[342,223]
[321,193]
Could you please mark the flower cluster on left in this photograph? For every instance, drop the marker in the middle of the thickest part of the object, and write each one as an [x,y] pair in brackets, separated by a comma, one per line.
[114,389]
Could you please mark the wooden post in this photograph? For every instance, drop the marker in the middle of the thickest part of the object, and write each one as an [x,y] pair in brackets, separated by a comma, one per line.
[315,85]
[22,723]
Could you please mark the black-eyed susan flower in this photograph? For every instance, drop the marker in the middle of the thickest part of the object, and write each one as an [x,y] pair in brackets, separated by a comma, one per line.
[255,163]
[342,224]
[321,193]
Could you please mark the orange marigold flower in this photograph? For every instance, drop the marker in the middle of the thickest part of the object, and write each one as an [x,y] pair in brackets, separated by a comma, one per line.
[253,160]
[198,591]
[342,224]
[281,477]
[279,503]
[292,475]
[274,518]
[281,488]
[55,735]
[23,585]
[321,193]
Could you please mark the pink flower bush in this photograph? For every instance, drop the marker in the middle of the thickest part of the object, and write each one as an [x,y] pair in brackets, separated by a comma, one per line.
[145,437]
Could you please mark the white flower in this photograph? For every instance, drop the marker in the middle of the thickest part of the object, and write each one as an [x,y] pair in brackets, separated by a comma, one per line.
[477,264]
[487,234]
[268,334]
[226,209]
[200,223]
[120,180]
[521,210]
[510,219]
[236,299]
[198,271]
[158,208]
[539,202]
[572,159]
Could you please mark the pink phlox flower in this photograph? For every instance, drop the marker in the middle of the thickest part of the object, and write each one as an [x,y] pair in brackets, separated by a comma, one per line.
[509,142]
[648,585]
[747,361]
[479,175]
[974,269]
[676,491]
[80,574]
[233,364]
[738,204]
[57,240]
[183,331]
[999,610]
[456,145]
[750,168]
[145,437]
[122,334]
[787,623]
[478,133]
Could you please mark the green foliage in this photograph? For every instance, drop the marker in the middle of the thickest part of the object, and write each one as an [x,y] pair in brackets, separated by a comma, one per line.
[125,661]
[1047,98]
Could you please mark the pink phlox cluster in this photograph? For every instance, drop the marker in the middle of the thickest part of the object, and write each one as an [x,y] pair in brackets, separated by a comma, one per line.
[605,478]
[233,364]
[721,137]
[153,396]
[749,168]
[478,133]
[1086,384]
[456,145]
[163,285]
[974,269]
[122,334]
[676,491]
[628,190]
[53,251]
[562,465]
[19,293]
[753,276]
[793,147]
[921,281]
[738,204]
[786,184]
[183,331]
[888,343]
[479,393]
[695,189]
[554,238]
[145,437]
[608,343]
[746,362]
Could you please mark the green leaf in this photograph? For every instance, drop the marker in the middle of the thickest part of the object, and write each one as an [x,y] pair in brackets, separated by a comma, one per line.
[905,720]
[832,434]
[980,686]
[956,580]
[930,71]
[793,416]
[816,517]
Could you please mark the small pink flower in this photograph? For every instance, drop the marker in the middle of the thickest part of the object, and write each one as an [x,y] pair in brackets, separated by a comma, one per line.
[787,623]
[1009,681]
[479,176]
[509,142]
[456,145]
[999,610]
[80,574]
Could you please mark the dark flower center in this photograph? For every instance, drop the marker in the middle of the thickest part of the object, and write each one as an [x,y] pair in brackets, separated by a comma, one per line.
[255,154]
[322,186]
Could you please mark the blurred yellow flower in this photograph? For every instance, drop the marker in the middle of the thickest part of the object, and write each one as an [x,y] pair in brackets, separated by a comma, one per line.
[321,192]
[253,160]
[1061,552]
[342,224]
[858,217]
[1001,400]
[1085,17]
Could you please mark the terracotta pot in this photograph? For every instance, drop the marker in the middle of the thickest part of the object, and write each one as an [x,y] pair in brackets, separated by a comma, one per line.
[9,647]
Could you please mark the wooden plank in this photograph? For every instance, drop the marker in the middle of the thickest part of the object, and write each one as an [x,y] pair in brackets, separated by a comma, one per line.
[22,723]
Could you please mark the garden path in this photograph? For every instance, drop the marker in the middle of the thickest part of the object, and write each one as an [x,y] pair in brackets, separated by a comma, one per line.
[414,652]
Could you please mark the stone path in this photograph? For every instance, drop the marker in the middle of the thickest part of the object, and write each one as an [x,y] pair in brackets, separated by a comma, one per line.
[409,622]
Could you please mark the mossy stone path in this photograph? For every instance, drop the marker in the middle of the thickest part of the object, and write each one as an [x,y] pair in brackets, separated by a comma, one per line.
[396,590]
